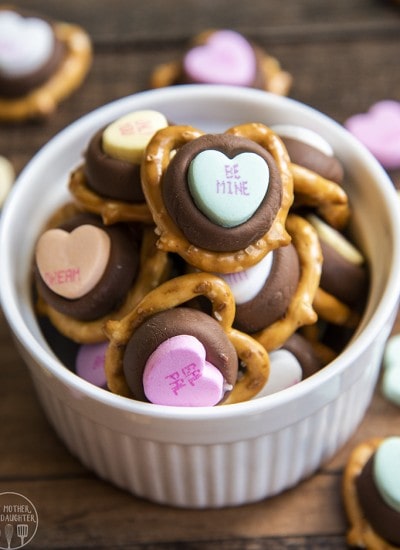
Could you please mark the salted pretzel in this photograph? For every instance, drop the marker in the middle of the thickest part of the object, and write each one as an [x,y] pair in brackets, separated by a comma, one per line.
[360,534]
[175,292]
[42,101]
[330,309]
[158,154]
[277,81]
[329,199]
[110,210]
[300,310]
[154,268]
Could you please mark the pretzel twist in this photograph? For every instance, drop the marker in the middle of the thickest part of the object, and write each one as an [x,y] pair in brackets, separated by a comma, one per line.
[171,294]
[43,100]
[171,238]
[111,210]
[330,309]
[311,189]
[360,533]
[300,311]
[154,268]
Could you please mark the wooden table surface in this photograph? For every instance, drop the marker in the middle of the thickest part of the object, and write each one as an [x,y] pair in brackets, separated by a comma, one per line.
[343,57]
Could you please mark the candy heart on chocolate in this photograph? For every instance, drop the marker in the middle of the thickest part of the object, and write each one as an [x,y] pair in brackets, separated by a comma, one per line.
[228,191]
[177,374]
[386,471]
[285,371]
[71,264]
[25,44]
[126,138]
[379,131]
[226,58]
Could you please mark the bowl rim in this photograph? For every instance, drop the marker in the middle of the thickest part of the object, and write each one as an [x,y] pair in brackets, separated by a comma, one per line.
[176,94]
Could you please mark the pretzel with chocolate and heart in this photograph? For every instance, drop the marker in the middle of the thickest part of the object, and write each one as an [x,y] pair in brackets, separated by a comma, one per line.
[300,310]
[361,533]
[170,295]
[108,182]
[257,68]
[153,268]
[218,200]
[68,74]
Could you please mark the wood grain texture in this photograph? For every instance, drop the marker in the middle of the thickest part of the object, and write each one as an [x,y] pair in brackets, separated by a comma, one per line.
[343,57]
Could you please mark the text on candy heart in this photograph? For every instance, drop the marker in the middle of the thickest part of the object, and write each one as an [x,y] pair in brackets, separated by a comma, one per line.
[233,183]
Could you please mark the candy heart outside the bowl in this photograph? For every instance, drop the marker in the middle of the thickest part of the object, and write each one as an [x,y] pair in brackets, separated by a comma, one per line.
[226,58]
[25,44]
[379,131]
[177,373]
[387,471]
[71,264]
[228,191]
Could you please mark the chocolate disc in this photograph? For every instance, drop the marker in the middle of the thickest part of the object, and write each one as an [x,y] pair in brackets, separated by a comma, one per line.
[119,274]
[110,177]
[194,224]
[384,520]
[309,157]
[174,322]
[272,301]
[304,353]
[343,279]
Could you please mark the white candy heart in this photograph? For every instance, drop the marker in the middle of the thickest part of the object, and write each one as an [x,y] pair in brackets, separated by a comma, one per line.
[26,43]
[285,371]
[228,191]
[246,284]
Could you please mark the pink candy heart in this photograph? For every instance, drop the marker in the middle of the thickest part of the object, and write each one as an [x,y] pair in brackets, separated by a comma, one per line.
[178,374]
[379,131]
[227,58]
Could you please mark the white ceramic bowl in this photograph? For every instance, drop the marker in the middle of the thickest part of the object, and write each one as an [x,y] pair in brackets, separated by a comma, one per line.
[206,457]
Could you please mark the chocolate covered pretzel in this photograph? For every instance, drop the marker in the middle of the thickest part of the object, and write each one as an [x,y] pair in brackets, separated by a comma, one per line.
[86,273]
[224,57]
[41,63]
[108,183]
[219,201]
[172,294]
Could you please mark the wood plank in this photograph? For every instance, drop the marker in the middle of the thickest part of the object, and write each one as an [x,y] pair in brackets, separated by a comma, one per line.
[107,517]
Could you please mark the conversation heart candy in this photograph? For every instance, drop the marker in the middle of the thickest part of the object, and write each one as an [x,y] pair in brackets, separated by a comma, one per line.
[386,471]
[26,43]
[177,373]
[336,240]
[226,58]
[391,372]
[71,264]
[305,135]
[228,191]
[379,131]
[285,371]
[246,284]
[126,138]
[90,363]
[7,176]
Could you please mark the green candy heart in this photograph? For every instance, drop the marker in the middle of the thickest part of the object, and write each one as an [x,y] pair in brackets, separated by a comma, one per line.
[228,191]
